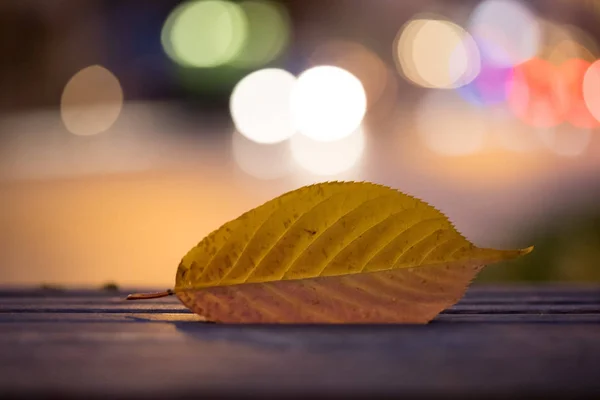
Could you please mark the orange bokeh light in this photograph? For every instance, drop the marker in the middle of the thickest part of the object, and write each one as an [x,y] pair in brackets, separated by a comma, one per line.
[537,94]
[572,73]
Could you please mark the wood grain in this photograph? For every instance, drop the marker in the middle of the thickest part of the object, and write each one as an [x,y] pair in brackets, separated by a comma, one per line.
[497,342]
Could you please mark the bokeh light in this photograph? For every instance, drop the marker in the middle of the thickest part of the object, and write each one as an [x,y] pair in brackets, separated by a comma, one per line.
[511,25]
[91,101]
[328,103]
[489,87]
[361,62]
[566,50]
[260,105]
[328,158]
[573,73]
[537,94]
[555,42]
[591,89]
[590,5]
[564,42]
[167,31]
[435,53]
[589,49]
[204,33]
[268,33]
[566,140]
[449,126]
[262,161]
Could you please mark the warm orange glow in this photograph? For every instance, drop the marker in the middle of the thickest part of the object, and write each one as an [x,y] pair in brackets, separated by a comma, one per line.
[130,228]
[537,94]
[572,73]
[486,170]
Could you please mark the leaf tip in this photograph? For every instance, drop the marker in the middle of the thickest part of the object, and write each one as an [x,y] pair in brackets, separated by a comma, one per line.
[528,250]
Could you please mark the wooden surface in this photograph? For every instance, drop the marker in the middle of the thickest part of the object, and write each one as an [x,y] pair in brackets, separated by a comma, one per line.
[497,342]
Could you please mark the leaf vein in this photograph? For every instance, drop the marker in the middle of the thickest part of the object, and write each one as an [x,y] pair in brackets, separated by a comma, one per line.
[251,304]
[424,257]
[247,244]
[394,238]
[284,233]
[363,233]
[338,220]
[336,295]
[295,302]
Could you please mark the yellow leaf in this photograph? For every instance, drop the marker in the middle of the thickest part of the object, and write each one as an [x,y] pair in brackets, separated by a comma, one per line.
[336,252]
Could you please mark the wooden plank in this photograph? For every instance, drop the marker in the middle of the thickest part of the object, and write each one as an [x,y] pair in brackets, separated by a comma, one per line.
[458,309]
[495,343]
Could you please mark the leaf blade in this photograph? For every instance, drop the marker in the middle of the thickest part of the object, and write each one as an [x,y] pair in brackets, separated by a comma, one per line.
[322,239]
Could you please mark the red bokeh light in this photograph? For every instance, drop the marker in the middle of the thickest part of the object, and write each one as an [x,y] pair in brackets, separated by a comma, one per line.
[591,89]
[572,72]
[537,94]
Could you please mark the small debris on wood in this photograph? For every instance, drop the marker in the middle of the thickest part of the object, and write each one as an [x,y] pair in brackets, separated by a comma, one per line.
[110,287]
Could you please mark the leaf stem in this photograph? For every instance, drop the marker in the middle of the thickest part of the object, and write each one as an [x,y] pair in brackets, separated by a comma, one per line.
[146,296]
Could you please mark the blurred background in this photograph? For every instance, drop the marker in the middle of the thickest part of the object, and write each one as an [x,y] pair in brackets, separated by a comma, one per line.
[129,130]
